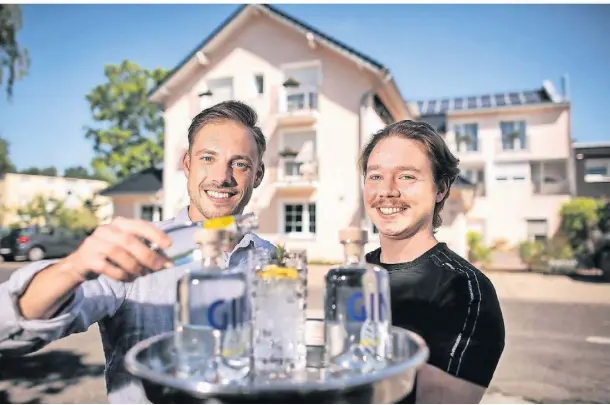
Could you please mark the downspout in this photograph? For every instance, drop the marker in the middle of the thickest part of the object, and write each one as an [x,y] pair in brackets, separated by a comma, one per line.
[359,221]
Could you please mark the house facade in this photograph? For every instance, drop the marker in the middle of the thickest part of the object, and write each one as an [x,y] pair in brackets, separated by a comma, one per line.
[138,196]
[318,102]
[592,161]
[18,190]
[517,148]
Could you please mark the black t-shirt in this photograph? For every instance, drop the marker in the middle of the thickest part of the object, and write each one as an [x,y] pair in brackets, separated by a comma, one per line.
[453,307]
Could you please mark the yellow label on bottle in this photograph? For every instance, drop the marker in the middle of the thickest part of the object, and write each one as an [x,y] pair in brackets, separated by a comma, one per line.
[219,223]
[275,271]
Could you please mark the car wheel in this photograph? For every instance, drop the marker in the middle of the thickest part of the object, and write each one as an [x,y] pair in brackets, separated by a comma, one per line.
[35,254]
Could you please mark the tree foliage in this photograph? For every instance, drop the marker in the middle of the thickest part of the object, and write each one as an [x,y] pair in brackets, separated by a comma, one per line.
[14,60]
[6,164]
[45,171]
[130,133]
[53,211]
[579,217]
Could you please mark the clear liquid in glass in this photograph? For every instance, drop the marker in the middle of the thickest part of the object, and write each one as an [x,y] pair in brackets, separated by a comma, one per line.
[279,315]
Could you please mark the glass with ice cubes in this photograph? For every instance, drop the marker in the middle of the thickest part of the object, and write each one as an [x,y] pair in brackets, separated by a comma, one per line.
[279,300]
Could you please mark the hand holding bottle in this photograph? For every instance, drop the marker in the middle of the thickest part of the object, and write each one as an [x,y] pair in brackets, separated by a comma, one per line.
[119,251]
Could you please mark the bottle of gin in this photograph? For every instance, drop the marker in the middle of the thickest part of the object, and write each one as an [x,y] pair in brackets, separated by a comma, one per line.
[184,250]
[357,310]
[212,317]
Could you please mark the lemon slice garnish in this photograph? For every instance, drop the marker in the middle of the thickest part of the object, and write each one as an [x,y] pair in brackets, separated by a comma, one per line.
[218,223]
[275,271]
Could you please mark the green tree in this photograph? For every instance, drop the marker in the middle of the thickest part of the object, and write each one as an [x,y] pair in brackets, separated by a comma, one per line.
[6,164]
[53,212]
[130,131]
[40,209]
[77,172]
[14,60]
[578,218]
[45,171]
[30,170]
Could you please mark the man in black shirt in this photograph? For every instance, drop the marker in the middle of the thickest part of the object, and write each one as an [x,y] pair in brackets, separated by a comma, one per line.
[408,172]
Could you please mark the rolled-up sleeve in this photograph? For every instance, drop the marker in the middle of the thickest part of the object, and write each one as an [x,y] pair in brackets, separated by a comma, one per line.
[92,301]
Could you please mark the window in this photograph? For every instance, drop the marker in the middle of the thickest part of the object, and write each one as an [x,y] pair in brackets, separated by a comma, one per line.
[467,137]
[216,91]
[147,213]
[300,218]
[260,84]
[302,93]
[296,149]
[513,172]
[537,230]
[597,170]
[513,135]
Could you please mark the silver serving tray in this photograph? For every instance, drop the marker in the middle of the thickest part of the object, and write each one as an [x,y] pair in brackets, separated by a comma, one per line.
[152,361]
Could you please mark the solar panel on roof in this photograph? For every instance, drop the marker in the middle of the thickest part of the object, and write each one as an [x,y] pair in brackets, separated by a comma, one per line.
[486,101]
[532,97]
[500,101]
[472,102]
[444,105]
[458,103]
[514,98]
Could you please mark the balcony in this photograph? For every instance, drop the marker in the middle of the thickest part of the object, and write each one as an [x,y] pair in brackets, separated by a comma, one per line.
[550,178]
[294,173]
[297,105]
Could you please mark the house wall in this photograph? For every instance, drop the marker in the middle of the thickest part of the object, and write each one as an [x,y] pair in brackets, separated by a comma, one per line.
[18,190]
[264,46]
[502,213]
[591,186]
[128,206]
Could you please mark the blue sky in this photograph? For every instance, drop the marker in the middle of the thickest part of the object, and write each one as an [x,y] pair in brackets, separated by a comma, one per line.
[432,50]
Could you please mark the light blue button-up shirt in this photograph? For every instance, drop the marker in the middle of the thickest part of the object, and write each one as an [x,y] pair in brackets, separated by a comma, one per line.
[126,313]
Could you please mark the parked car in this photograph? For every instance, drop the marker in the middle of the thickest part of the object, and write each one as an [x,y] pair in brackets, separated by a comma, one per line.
[37,243]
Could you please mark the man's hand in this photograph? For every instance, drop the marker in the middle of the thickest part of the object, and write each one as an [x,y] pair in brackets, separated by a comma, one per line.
[115,250]
[118,251]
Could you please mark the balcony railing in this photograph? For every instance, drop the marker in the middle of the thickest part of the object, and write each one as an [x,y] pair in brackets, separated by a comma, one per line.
[513,145]
[551,188]
[298,99]
[293,171]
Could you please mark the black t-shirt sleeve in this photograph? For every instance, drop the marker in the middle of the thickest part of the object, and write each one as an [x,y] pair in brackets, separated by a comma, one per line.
[469,341]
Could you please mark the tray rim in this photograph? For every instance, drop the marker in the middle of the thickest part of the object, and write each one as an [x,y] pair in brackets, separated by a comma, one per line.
[203,389]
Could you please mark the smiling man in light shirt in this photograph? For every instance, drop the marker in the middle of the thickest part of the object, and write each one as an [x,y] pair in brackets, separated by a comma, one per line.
[102,281]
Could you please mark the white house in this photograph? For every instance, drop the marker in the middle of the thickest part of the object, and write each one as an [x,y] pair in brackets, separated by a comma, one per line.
[318,101]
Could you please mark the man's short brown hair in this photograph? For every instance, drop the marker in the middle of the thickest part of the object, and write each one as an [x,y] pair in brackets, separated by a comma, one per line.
[235,111]
[444,163]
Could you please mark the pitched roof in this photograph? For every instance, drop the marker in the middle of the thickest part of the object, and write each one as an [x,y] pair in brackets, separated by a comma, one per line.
[147,181]
[274,12]
[544,95]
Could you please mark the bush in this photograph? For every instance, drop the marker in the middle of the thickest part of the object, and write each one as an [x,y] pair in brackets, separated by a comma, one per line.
[536,254]
[532,253]
[477,251]
[578,217]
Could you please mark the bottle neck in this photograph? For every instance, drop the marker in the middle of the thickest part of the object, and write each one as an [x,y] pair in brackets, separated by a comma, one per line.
[210,254]
[353,253]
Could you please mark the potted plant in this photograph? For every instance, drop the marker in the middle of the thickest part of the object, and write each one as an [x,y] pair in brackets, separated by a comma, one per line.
[288,152]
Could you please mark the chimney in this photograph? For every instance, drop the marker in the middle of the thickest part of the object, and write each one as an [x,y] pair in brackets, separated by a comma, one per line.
[565,87]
